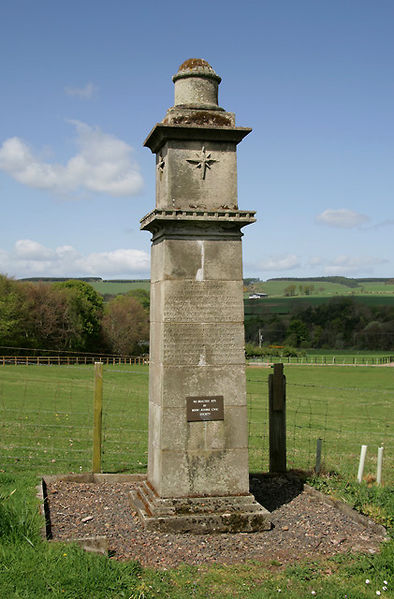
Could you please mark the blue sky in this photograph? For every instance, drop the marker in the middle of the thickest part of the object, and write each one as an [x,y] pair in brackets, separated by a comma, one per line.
[84,82]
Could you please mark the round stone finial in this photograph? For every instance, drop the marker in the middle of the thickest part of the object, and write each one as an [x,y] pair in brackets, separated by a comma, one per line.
[196,84]
[196,67]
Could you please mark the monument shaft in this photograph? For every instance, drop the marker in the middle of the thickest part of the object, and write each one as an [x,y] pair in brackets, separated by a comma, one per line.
[197,350]
[197,395]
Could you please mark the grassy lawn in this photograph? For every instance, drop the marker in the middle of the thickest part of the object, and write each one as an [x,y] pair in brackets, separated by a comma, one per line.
[346,352]
[46,415]
[378,287]
[330,357]
[323,288]
[45,423]
[320,288]
[345,406]
[115,288]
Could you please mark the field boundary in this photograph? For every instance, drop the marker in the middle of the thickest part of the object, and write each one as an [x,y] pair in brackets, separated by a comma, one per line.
[71,360]
[318,360]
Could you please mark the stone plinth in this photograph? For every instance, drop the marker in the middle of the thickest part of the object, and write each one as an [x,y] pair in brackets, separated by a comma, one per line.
[199,515]
[198,439]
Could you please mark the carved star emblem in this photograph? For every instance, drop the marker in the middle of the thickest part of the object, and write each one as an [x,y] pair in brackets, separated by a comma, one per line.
[161,164]
[203,161]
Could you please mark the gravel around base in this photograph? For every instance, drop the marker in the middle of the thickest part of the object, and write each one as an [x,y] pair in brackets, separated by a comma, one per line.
[303,526]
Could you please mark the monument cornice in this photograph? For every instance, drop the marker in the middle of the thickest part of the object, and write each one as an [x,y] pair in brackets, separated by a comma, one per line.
[160,217]
[161,133]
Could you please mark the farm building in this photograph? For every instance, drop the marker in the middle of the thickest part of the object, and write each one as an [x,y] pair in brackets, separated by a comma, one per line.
[257,295]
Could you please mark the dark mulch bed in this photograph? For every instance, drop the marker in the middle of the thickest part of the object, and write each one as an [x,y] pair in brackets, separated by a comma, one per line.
[303,526]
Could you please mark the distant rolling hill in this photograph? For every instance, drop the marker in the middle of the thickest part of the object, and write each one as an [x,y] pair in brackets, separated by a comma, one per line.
[282,294]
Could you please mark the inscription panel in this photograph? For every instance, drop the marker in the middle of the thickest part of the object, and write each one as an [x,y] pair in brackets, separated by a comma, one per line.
[204,408]
[203,344]
[203,301]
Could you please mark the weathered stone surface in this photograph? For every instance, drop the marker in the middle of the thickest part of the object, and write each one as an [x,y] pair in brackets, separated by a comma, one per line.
[173,383]
[203,472]
[197,260]
[229,514]
[179,434]
[202,301]
[203,344]
[198,345]
[197,332]
[197,175]
[188,301]
[196,84]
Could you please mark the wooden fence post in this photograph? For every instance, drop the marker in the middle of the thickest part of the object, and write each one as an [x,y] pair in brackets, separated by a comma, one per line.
[277,419]
[318,455]
[97,415]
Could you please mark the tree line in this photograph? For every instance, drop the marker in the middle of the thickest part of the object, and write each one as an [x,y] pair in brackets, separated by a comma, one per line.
[341,323]
[71,316]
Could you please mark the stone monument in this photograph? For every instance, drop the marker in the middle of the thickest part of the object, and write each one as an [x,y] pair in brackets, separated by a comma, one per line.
[198,478]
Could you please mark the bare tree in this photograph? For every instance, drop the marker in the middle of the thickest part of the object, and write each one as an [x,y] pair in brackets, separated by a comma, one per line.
[125,325]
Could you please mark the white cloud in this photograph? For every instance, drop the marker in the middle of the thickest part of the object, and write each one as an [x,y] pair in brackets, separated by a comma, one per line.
[32,250]
[30,258]
[116,262]
[346,265]
[67,252]
[103,164]
[85,92]
[280,262]
[342,218]
[350,265]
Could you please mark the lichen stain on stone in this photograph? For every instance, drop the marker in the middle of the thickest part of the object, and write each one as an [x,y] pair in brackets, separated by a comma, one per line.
[234,522]
[194,63]
[202,118]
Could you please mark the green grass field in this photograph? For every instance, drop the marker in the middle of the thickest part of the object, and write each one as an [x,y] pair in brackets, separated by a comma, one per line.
[320,288]
[46,416]
[323,288]
[378,287]
[365,292]
[114,288]
[345,406]
[327,357]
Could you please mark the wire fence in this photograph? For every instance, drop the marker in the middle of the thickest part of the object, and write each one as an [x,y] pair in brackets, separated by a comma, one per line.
[68,360]
[46,418]
[326,360]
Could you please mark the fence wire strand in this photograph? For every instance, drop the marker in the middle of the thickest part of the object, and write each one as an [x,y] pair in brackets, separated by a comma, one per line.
[46,416]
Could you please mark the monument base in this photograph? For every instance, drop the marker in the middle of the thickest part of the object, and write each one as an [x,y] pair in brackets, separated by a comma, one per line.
[198,515]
